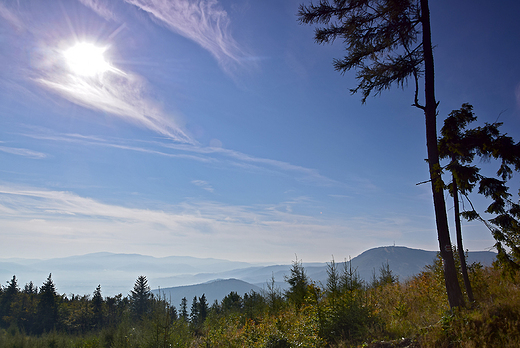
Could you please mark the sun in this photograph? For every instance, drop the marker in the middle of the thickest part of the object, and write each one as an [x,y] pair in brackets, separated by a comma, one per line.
[86,59]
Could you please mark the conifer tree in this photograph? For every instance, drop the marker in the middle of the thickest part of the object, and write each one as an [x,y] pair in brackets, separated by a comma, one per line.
[97,308]
[194,312]
[184,309]
[386,275]
[461,146]
[47,309]
[7,297]
[140,297]
[298,283]
[203,309]
[273,295]
[232,302]
[349,279]
[333,279]
[29,288]
[389,42]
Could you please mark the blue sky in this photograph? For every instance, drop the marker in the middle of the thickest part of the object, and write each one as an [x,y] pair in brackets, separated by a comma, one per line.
[220,129]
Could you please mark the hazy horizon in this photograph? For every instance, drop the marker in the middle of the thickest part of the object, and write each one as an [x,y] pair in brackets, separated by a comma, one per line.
[221,259]
[116,273]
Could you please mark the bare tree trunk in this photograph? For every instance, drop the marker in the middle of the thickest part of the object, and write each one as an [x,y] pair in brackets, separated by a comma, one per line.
[430,112]
[460,248]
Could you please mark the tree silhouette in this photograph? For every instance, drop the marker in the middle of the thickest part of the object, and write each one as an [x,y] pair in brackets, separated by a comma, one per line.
[194,312]
[47,308]
[184,309]
[140,297]
[461,145]
[7,297]
[29,288]
[460,149]
[232,302]
[97,308]
[389,42]
[203,309]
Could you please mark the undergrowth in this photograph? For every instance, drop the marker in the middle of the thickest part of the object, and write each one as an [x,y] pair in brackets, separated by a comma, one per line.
[348,313]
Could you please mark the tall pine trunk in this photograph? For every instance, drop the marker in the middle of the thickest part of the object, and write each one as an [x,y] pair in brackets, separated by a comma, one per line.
[460,248]
[430,112]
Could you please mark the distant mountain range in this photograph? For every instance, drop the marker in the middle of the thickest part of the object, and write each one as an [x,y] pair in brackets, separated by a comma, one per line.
[179,277]
[115,272]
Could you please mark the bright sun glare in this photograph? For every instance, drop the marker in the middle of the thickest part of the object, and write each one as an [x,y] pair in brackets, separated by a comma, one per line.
[86,59]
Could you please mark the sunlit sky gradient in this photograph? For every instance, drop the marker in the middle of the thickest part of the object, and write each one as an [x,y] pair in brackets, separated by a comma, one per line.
[220,129]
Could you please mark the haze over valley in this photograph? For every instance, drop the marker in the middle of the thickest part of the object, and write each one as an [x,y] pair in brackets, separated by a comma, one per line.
[189,276]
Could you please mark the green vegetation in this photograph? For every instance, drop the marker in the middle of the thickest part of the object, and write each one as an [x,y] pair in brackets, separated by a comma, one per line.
[344,312]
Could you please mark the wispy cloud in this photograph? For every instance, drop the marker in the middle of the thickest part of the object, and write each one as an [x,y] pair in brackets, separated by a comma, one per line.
[203,21]
[23,152]
[100,7]
[117,93]
[40,219]
[206,155]
[43,134]
[10,17]
[308,175]
[203,185]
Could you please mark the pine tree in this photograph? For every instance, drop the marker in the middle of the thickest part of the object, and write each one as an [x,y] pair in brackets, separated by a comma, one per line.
[140,297]
[194,313]
[349,279]
[333,279]
[274,296]
[386,275]
[29,288]
[461,146]
[97,308]
[389,42]
[203,309]
[254,304]
[298,283]
[184,309]
[47,309]
[232,302]
[7,299]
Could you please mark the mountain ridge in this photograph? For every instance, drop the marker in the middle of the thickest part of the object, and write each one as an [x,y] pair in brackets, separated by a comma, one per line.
[116,273]
[214,290]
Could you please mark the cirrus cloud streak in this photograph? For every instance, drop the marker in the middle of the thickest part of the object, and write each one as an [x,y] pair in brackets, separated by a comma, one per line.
[22,152]
[117,93]
[203,21]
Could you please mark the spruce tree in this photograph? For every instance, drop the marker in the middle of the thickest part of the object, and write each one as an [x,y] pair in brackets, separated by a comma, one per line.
[97,308]
[194,313]
[298,283]
[47,308]
[140,297]
[8,296]
[29,288]
[184,309]
[203,309]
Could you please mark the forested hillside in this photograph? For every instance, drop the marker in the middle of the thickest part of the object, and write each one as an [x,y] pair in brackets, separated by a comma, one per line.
[344,311]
